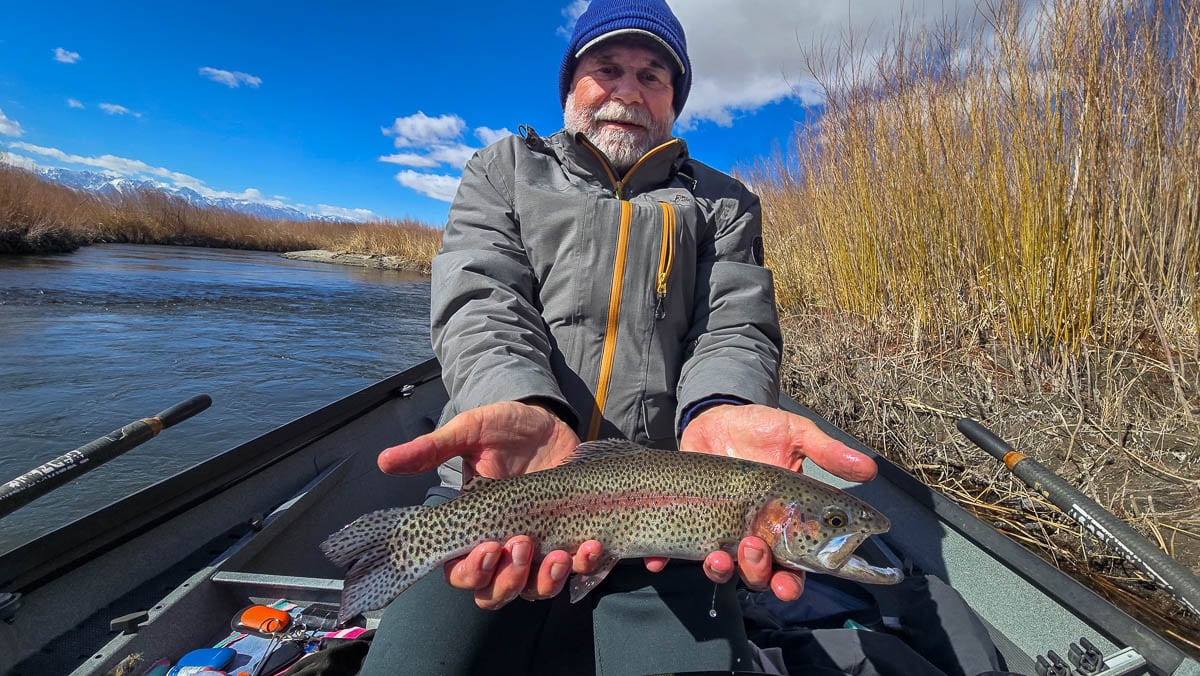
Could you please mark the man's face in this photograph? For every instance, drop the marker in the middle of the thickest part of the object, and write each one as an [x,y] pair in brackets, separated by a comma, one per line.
[621,99]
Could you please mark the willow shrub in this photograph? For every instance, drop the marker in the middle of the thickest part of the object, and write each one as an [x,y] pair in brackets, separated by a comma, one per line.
[1041,176]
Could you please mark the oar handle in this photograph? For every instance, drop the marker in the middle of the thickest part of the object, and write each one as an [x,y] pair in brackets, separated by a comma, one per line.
[69,466]
[184,410]
[1103,524]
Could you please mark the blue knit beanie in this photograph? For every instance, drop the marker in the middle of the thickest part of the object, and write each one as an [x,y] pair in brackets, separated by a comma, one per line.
[605,18]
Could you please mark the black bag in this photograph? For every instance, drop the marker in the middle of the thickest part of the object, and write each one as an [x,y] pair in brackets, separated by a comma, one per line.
[920,627]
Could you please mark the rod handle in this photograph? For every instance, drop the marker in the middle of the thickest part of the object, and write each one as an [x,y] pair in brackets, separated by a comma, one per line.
[983,438]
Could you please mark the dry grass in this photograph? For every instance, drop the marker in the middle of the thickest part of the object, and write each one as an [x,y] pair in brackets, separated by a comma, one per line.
[37,215]
[1004,226]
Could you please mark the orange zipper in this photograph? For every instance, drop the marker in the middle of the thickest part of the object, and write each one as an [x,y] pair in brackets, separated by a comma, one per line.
[614,315]
[666,260]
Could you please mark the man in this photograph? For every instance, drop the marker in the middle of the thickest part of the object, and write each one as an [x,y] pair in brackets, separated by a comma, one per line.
[600,283]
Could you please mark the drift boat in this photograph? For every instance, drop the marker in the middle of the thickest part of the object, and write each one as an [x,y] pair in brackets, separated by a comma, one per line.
[161,572]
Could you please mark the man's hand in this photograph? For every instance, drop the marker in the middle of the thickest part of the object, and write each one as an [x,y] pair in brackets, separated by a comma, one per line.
[500,440]
[776,437]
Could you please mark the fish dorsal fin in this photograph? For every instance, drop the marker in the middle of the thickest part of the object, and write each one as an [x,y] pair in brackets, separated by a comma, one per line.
[604,448]
[477,482]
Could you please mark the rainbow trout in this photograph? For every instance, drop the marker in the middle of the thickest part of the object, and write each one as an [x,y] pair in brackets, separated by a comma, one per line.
[636,501]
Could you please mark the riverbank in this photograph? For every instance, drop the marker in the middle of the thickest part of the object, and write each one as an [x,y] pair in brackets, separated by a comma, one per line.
[378,261]
[40,216]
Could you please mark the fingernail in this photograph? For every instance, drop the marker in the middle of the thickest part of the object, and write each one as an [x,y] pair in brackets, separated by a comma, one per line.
[753,555]
[558,571]
[489,561]
[719,567]
[522,553]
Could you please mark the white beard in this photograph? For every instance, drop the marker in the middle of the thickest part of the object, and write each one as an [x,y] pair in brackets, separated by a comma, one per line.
[622,147]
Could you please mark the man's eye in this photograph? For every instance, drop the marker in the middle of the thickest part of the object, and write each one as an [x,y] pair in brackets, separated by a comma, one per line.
[608,72]
[652,80]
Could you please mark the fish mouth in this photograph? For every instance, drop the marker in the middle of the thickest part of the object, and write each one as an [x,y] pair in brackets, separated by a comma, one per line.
[839,550]
[837,558]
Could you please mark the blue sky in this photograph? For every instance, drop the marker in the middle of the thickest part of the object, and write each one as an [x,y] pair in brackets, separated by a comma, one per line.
[370,109]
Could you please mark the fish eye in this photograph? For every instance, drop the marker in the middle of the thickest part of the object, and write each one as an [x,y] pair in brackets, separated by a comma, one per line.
[834,517]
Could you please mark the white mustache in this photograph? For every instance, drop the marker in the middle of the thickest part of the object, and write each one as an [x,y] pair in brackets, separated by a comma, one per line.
[616,112]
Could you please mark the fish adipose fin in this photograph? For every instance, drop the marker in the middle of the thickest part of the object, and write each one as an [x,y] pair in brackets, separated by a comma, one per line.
[582,584]
[372,580]
[603,448]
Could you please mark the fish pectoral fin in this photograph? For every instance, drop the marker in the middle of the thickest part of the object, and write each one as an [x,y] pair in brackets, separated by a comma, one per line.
[581,583]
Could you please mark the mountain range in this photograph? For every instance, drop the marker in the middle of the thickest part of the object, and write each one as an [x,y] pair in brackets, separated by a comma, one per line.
[112,184]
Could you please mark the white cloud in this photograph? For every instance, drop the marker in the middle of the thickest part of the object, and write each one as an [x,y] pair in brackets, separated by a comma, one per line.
[572,13]
[489,136]
[410,160]
[114,109]
[749,54]
[122,166]
[230,78]
[118,165]
[420,130]
[438,186]
[347,214]
[74,103]
[65,56]
[9,126]
[20,161]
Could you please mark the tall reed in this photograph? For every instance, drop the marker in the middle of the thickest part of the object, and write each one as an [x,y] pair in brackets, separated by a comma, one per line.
[1004,223]
[1041,174]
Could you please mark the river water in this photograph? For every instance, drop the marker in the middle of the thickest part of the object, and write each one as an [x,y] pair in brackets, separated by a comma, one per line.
[93,340]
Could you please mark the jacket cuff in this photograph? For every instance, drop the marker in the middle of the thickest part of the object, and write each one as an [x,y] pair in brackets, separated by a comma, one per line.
[560,409]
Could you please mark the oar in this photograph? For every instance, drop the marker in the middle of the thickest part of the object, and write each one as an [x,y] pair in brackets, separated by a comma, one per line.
[1168,573]
[38,482]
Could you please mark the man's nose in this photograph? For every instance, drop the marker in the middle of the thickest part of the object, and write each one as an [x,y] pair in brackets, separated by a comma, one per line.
[627,89]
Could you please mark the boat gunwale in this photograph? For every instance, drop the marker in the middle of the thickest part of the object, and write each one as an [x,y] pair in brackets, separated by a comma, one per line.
[57,552]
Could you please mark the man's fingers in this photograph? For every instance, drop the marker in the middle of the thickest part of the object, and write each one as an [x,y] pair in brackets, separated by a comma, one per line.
[787,585]
[550,578]
[511,575]
[587,557]
[475,570]
[425,452]
[719,567]
[755,563]
[655,564]
[832,455]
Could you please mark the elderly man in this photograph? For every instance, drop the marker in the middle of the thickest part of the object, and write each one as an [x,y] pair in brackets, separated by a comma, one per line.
[592,284]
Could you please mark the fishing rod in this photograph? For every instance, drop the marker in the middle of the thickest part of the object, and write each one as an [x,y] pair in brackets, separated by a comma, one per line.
[1168,573]
[67,467]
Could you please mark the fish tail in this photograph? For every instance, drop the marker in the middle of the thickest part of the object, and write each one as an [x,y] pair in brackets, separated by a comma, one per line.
[373,579]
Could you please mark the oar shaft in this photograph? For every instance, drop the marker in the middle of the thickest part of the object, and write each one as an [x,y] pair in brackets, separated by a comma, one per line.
[1168,573]
[40,481]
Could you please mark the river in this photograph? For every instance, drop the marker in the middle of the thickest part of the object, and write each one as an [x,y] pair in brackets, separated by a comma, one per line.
[93,340]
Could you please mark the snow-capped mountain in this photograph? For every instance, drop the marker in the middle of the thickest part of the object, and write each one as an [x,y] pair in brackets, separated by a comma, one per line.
[112,184]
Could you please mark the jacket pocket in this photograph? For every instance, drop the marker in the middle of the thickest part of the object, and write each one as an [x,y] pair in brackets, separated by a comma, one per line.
[658,419]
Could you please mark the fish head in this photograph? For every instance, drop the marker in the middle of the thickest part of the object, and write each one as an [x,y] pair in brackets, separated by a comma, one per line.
[817,534]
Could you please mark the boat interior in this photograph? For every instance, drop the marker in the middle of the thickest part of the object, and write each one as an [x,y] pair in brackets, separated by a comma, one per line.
[165,570]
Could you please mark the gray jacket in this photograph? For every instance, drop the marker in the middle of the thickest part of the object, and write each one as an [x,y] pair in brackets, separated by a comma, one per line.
[621,300]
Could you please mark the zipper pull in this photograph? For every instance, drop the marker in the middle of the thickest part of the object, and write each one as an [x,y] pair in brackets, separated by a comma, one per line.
[660,306]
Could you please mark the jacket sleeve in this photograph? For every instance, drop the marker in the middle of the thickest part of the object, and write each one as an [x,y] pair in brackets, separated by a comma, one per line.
[734,343]
[485,324]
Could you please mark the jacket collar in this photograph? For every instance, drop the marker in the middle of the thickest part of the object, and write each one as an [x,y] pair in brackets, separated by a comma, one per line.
[578,156]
